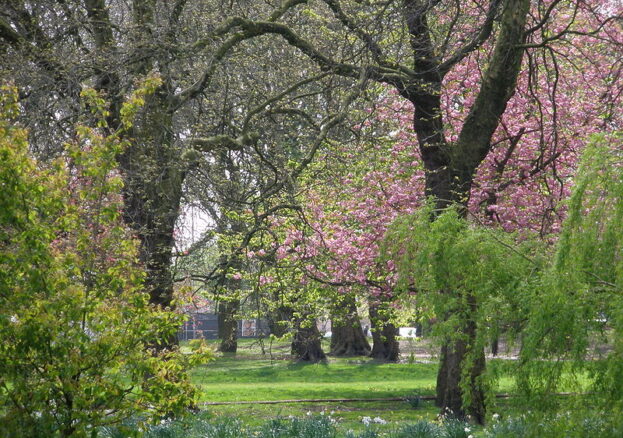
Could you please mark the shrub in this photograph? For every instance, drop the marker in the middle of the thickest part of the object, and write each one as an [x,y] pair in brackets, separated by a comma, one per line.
[77,333]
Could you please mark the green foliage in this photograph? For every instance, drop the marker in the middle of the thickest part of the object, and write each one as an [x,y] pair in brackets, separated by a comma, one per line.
[421,429]
[78,338]
[203,425]
[463,260]
[469,275]
[453,428]
[530,425]
[577,314]
[577,424]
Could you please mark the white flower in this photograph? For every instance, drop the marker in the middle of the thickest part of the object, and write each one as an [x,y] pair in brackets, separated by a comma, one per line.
[366,420]
[495,417]
[470,436]
[467,430]
[14,319]
[379,420]
[308,413]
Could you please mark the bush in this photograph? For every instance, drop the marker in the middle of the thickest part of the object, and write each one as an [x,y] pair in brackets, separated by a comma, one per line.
[78,337]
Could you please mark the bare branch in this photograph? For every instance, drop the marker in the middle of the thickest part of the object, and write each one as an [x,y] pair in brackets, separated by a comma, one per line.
[476,42]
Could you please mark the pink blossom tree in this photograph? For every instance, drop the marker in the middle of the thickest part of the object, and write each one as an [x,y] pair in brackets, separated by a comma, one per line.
[500,96]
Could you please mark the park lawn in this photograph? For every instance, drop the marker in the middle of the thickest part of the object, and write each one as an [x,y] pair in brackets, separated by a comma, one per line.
[234,378]
[249,376]
[231,379]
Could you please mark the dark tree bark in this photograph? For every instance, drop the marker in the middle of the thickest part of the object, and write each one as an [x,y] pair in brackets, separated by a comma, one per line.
[279,319]
[347,336]
[450,387]
[152,195]
[306,345]
[228,325]
[385,346]
[495,345]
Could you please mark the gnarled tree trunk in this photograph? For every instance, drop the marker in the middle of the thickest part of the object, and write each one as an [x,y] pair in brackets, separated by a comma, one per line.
[279,319]
[152,193]
[347,336]
[450,387]
[306,345]
[384,343]
[228,325]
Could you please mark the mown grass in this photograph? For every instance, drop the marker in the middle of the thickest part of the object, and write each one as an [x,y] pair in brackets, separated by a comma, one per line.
[230,379]
[251,376]
[349,415]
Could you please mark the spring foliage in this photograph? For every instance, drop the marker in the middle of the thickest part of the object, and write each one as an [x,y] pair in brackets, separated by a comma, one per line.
[576,317]
[473,278]
[76,329]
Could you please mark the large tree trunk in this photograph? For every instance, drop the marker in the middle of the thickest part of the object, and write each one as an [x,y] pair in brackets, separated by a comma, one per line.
[384,343]
[150,165]
[450,169]
[152,194]
[450,386]
[228,305]
[306,345]
[347,336]
[279,319]
[228,325]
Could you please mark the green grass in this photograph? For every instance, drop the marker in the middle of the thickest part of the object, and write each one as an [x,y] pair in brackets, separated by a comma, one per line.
[230,379]
[247,376]
[348,415]
[251,376]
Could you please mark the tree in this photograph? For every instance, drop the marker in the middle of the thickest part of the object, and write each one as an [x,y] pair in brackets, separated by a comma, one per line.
[347,336]
[77,332]
[576,315]
[246,188]
[110,47]
[439,37]
[414,47]
[487,269]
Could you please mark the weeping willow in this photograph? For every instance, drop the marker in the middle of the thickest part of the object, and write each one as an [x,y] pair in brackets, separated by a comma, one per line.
[472,279]
[574,335]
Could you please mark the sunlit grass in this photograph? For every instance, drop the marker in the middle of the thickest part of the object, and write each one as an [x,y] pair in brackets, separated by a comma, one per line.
[251,376]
